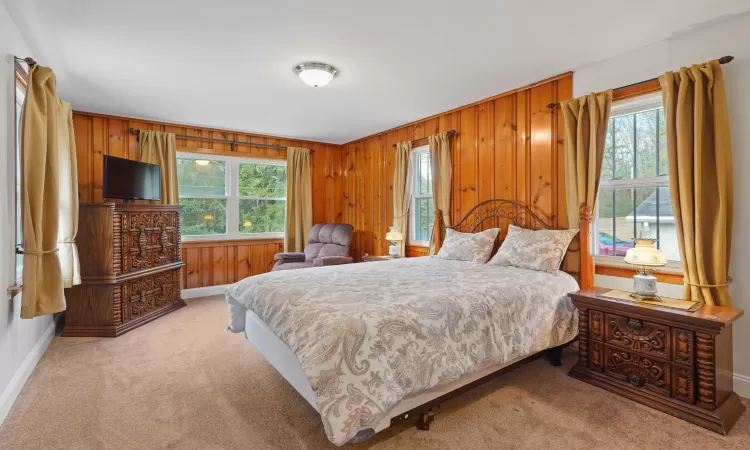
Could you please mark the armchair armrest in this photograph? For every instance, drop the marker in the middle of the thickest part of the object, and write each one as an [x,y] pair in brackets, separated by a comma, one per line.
[287,257]
[331,260]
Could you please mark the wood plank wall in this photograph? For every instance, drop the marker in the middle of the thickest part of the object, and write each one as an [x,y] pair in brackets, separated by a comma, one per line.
[215,262]
[509,146]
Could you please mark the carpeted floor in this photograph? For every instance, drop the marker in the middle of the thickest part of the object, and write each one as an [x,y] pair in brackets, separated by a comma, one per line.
[184,382]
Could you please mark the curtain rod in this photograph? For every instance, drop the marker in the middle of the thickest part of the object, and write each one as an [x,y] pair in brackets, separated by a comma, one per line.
[722,60]
[450,133]
[225,141]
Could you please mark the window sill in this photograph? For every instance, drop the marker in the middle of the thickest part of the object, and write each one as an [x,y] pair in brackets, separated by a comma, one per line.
[617,267]
[424,244]
[225,238]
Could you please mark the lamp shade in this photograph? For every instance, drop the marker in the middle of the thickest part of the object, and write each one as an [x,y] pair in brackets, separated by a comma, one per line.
[645,253]
[394,234]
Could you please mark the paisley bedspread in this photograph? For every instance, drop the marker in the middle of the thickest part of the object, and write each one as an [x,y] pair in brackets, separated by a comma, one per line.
[368,335]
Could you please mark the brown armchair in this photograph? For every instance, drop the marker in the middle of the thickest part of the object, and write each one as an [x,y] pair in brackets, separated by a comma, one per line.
[328,245]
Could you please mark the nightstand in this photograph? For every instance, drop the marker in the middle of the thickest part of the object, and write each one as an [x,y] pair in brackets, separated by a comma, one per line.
[676,361]
[373,258]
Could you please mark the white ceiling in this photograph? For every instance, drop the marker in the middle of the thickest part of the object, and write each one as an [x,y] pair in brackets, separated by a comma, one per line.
[228,63]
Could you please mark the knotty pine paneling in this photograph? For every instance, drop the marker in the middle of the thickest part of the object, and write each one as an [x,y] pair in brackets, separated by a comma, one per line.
[509,146]
[215,262]
[212,263]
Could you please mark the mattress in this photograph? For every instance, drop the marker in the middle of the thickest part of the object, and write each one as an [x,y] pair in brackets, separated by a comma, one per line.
[281,357]
[370,337]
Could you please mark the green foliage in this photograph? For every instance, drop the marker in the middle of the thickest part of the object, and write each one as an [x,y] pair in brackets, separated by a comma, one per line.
[196,179]
[264,181]
[201,216]
[260,180]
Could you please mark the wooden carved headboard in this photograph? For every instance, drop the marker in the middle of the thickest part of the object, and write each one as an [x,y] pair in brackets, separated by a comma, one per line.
[499,213]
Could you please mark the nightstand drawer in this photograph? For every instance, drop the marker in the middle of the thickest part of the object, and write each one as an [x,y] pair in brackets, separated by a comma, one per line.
[648,338]
[639,371]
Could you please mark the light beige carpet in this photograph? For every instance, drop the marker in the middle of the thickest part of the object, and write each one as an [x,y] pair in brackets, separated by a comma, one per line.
[184,382]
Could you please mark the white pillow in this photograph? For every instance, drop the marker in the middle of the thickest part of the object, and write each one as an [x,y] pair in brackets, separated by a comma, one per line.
[474,247]
[541,250]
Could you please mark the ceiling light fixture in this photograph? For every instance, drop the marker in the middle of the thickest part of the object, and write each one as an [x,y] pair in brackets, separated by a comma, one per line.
[316,74]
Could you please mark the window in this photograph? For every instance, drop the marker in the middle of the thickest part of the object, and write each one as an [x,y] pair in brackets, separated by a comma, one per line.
[21,75]
[422,207]
[634,198]
[231,197]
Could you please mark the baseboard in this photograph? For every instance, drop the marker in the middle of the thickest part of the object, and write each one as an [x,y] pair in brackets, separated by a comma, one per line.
[742,385]
[8,397]
[204,291]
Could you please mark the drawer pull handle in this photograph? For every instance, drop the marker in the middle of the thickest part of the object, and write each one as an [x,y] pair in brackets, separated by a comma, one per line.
[635,324]
[635,380]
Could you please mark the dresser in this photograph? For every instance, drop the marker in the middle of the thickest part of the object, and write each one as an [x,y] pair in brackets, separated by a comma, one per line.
[675,361]
[130,268]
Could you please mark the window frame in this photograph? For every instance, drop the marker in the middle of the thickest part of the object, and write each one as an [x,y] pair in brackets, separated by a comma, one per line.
[624,107]
[232,196]
[20,85]
[413,196]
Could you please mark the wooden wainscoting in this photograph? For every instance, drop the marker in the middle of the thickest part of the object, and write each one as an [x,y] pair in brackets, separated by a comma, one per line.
[213,263]
[414,251]
[510,146]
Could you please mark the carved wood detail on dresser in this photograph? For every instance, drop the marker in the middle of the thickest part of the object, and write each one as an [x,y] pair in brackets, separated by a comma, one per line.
[130,268]
[678,362]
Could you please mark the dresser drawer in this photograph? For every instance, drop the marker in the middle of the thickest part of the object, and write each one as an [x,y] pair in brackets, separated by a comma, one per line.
[647,338]
[639,371]
[149,293]
[147,239]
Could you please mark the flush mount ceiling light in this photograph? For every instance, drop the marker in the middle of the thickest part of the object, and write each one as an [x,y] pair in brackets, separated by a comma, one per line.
[315,74]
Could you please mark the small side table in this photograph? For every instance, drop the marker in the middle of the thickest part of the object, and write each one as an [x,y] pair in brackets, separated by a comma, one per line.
[678,362]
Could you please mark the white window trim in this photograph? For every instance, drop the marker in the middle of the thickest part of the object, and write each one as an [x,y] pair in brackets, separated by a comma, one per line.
[623,108]
[413,197]
[19,95]
[232,189]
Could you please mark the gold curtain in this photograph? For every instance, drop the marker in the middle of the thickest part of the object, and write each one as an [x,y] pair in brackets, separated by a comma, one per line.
[68,203]
[161,149]
[402,190]
[42,278]
[585,133]
[298,199]
[700,177]
[442,175]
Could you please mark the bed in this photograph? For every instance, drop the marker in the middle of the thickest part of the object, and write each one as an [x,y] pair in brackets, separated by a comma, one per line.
[367,344]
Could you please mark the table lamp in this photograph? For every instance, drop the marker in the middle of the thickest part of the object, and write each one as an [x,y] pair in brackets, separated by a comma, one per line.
[645,256]
[394,235]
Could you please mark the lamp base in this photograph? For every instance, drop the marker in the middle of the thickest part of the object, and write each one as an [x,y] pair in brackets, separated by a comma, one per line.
[640,298]
[394,250]
[644,287]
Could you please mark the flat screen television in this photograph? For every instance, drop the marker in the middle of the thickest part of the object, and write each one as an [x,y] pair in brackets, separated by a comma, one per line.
[130,180]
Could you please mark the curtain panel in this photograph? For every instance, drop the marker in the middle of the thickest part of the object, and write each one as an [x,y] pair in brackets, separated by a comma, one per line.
[67,251]
[402,190]
[298,199]
[442,176]
[42,277]
[585,135]
[700,177]
[161,149]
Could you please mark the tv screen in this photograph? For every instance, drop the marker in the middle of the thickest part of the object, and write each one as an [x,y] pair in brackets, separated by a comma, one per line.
[130,180]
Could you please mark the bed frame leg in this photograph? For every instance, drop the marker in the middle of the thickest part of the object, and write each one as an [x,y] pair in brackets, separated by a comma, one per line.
[425,418]
[555,356]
